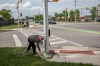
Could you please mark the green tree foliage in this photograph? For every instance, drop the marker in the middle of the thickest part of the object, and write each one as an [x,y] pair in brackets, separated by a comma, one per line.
[72,15]
[6,14]
[93,12]
[56,15]
[77,13]
[66,13]
[39,17]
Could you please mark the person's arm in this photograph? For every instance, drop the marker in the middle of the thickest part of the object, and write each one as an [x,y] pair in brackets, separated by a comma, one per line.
[38,47]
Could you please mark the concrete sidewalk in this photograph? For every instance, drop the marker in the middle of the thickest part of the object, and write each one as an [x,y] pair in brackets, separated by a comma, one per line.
[76,54]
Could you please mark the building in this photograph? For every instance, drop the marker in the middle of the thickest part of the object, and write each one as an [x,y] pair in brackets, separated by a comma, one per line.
[98,13]
[98,10]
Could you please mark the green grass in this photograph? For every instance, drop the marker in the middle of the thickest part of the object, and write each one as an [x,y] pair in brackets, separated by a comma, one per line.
[18,57]
[5,30]
[12,26]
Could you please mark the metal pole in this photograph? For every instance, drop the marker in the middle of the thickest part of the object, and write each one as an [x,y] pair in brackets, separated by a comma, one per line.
[46,38]
[81,11]
[39,15]
[34,17]
[96,14]
[18,15]
[75,10]
[65,10]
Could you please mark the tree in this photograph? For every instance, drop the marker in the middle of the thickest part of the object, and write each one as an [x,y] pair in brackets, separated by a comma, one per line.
[77,13]
[93,12]
[38,17]
[56,15]
[28,17]
[6,14]
[60,15]
[72,14]
[66,14]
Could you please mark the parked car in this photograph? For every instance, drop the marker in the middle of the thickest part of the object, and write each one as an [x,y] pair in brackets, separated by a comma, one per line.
[86,20]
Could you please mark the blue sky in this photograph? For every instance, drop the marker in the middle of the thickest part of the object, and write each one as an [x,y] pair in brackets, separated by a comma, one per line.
[30,7]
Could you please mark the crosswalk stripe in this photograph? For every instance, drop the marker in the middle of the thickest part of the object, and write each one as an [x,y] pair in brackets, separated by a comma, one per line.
[54,39]
[57,42]
[17,41]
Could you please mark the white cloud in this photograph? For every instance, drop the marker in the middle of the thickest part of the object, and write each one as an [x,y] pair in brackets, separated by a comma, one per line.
[36,8]
[7,5]
[27,4]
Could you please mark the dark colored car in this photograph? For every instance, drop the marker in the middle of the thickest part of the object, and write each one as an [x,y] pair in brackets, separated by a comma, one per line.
[41,22]
[51,22]
[36,21]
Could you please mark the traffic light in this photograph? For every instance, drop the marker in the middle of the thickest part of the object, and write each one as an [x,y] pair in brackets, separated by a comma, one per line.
[20,1]
[20,14]
[55,0]
[87,8]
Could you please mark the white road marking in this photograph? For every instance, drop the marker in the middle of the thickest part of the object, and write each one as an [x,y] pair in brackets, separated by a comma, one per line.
[52,38]
[23,34]
[17,41]
[74,43]
[56,38]
[57,42]
[67,41]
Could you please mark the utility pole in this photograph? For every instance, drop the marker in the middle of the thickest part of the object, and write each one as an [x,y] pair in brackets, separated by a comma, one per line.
[34,17]
[65,10]
[75,10]
[46,37]
[96,13]
[19,2]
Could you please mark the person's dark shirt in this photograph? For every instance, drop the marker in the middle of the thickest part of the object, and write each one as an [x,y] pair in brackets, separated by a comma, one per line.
[34,38]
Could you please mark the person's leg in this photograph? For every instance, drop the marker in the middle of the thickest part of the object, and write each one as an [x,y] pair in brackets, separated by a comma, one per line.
[29,46]
[34,48]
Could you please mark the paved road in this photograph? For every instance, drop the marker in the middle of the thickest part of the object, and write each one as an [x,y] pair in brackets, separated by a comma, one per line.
[59,35]
[79,34]
[7,39]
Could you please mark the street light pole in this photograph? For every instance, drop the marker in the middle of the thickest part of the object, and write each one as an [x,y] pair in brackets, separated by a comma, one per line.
[75,10]
[46,38]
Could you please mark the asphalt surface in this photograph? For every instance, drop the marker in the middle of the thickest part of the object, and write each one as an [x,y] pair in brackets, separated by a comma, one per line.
[88,38]
[7,40]
[75,38]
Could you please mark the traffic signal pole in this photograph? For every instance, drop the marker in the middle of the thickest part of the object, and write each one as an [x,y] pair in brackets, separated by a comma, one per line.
[46,37]
[18,15]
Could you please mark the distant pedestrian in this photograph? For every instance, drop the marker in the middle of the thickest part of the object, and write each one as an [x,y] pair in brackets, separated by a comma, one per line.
[33,41]
[27,23]
[49,33]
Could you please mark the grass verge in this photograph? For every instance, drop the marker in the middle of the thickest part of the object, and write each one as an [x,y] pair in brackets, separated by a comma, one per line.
[12,26]
[18,57]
